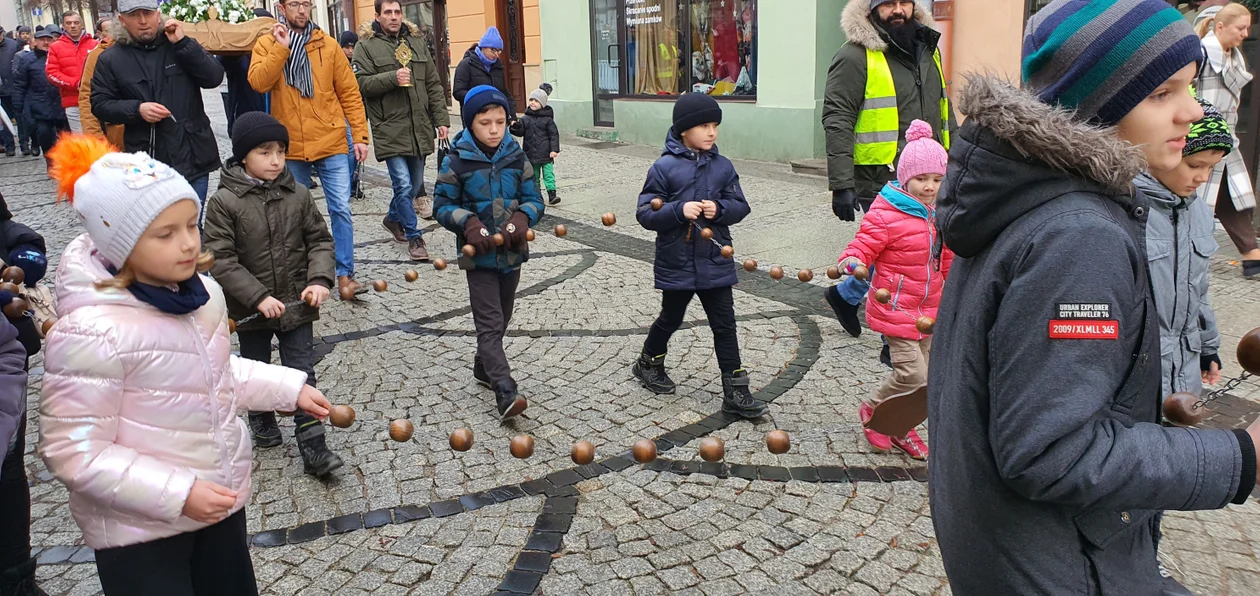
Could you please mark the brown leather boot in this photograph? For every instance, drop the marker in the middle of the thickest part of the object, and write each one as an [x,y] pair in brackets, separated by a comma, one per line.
[348,288]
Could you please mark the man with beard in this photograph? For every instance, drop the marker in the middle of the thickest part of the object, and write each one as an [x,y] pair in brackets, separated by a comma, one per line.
[313,94]
[404,103]
[150,81]
[887,75]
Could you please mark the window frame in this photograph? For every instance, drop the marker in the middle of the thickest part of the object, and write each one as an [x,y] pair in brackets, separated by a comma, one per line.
[685,48]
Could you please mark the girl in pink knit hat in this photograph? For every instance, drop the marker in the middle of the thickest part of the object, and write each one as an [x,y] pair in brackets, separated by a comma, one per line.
[896,242]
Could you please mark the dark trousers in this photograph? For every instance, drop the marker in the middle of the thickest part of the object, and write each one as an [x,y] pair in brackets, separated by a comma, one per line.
[47,130]
[6,137]
[1237,224]
[15,505]
[212,561]
[719,307]
[492,295]
[297,351]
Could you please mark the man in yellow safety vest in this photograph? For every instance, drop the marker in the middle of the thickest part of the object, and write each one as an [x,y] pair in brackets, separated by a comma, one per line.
[887,75]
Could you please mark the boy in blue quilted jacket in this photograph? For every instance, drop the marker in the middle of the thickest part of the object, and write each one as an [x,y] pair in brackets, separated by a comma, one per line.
[484,157]
[699,190]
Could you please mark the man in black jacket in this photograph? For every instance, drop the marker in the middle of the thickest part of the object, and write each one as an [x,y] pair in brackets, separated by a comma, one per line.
[150,80]
[40,100]
[9,48]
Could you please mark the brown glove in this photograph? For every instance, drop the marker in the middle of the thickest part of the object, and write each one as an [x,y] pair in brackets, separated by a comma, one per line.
[476,234]
[514,231]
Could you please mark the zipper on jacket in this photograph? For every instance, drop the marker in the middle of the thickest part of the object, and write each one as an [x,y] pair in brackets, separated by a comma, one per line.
[927,290]
[220,440]
[897,296]
[1172,372]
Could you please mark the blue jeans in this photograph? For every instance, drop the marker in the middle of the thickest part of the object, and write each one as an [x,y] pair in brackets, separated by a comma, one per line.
[407,174]
[852,289]
[334,174]
[201,186]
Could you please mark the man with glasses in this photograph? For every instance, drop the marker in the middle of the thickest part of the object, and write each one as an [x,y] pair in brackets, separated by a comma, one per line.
[314,93]
[482,66]
[150,81]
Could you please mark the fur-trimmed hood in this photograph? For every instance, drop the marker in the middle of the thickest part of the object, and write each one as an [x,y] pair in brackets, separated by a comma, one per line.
[124,38]
[371,28]
[1015,153]
[858,27]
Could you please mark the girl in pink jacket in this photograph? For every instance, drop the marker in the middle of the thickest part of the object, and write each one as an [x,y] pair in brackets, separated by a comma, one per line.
[896,239]
[138,416]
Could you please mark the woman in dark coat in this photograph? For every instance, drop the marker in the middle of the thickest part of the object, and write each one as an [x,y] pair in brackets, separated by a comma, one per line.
[482,66]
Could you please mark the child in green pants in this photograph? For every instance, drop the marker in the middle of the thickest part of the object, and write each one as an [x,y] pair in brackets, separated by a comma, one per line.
[542,141]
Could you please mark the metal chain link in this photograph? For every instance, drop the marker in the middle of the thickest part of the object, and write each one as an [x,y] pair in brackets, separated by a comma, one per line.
[1215,395]
[287,306]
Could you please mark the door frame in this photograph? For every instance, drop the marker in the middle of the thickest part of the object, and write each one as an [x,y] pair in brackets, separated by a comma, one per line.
[511,23]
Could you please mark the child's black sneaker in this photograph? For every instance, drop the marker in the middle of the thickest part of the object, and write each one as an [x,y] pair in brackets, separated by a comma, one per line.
[885,356]
[846,313]
[508,402]
[262,425]
[552,199]
[738,400]
[650,370]
[1251,269]
[479,373]
[317,460]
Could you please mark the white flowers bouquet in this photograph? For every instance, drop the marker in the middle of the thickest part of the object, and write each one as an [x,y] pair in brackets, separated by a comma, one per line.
[196,11]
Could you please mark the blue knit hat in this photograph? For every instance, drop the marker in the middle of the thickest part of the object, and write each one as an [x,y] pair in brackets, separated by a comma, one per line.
[491,39]
[477,99]
[1101,58]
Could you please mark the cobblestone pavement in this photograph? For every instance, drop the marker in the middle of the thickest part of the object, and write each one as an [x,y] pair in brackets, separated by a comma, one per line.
[830,516]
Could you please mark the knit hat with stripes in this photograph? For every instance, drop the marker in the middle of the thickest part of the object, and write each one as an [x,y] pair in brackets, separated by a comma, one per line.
[1101,58]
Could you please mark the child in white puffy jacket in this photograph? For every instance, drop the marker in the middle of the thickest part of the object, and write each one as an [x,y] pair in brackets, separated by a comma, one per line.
[138,415]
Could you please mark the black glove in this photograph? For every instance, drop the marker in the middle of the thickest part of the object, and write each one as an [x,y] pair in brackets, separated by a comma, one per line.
[844,204]
[514,231]
[476,234]
[1206,360]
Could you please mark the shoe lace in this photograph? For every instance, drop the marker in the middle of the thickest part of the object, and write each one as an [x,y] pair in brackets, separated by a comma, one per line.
[910,445]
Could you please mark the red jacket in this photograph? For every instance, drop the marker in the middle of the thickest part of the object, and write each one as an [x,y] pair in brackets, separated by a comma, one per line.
[897,237]
[65,66]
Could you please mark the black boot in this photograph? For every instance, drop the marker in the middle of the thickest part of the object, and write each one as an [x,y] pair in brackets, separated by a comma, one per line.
[479,373]
[509,403]
[317,460]
[552,199]
[846,313]
[885,356]
[20,580]
[738,400]
[264,428]
[650,370]
[1251,269]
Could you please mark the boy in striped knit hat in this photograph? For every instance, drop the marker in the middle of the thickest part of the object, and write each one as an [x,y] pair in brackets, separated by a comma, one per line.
[1049,463]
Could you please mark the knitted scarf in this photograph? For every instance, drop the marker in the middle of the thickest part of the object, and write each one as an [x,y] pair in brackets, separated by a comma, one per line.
[297,70]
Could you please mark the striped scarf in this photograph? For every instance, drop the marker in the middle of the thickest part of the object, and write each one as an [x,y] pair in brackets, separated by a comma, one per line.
[297,70]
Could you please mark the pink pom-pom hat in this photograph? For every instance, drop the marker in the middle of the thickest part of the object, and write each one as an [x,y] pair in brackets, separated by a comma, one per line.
[922,154]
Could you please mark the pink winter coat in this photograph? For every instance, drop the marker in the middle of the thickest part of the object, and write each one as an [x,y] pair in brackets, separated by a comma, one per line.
[137,404]
[896,238]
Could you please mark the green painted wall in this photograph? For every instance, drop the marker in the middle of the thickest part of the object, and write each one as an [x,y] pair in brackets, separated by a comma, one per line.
[796,41]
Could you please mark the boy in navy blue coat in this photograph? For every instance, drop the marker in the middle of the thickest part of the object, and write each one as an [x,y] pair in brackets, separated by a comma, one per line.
[699,189]
[486,186]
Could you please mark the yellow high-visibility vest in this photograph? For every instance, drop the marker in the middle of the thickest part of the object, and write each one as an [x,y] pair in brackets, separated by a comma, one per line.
[878,127]
[669,60]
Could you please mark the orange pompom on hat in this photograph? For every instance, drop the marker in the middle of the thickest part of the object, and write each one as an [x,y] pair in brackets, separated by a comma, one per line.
[117,195]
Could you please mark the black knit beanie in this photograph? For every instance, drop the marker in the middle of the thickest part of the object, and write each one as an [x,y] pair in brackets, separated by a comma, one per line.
[252,129]
[693,109]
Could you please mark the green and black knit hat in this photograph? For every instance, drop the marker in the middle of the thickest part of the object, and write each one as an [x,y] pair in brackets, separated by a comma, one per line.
[1211,132]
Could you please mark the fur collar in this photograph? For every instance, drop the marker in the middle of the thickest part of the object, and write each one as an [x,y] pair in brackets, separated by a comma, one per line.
[367,29]
[123,38]
[1050,134]
[858,28]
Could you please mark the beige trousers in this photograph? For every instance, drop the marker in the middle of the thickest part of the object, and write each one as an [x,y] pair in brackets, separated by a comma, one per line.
[910,367]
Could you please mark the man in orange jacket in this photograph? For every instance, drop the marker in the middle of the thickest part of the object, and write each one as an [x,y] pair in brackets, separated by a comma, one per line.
[65,64]
[92,126]
[314,93]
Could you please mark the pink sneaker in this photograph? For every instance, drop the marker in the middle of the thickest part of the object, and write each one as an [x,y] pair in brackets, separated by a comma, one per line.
[881,443]
[912,445]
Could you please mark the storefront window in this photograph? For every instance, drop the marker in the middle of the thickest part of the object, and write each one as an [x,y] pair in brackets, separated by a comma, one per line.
[676,46]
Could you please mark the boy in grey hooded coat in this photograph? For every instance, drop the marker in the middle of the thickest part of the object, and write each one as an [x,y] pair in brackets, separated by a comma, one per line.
[1179,249]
